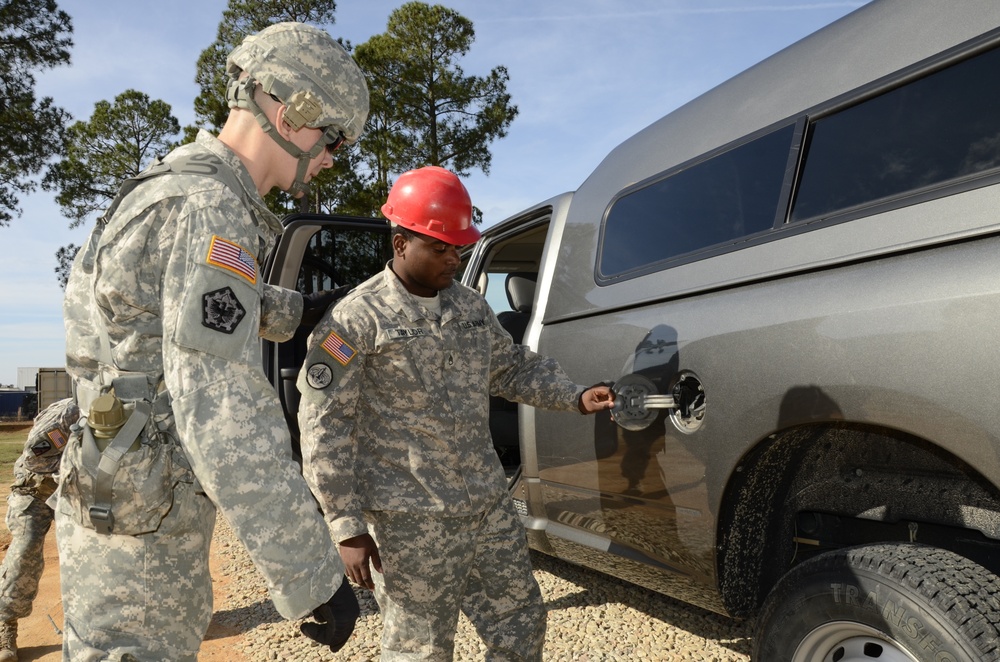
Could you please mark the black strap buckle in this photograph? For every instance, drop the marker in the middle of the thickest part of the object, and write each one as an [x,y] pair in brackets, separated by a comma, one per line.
[102,518]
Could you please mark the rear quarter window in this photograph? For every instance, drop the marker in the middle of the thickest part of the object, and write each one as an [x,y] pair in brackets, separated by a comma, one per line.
[926,137]
[711,203]
[932,131]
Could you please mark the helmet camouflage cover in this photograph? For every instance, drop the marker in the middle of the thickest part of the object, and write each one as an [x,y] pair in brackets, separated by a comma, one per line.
[309,72]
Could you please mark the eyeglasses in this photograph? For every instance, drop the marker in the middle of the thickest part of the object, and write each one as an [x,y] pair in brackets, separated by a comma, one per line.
[333,138]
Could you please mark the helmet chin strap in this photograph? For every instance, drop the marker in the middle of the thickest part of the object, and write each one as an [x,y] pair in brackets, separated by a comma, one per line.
[240,95]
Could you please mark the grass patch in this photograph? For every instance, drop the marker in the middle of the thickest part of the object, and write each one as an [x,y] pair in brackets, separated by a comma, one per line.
[11,445]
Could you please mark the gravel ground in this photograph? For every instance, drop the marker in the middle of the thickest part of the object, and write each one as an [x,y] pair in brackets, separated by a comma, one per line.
[591,618]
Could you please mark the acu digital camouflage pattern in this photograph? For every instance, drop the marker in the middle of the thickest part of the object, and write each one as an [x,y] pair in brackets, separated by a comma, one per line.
[322,70]
[394,419]
[28,516]
[48,436]
[425,557]
[152,283]
[28,519]
[403,423]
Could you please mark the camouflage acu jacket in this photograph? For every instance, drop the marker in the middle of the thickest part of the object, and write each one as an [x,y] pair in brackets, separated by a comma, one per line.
[36,468]
[177,283]
[395,403]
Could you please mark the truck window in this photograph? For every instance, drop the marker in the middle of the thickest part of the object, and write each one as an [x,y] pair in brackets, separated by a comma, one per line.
[338,256]
[717,201]
[927,133]
[518,253]
[496,296]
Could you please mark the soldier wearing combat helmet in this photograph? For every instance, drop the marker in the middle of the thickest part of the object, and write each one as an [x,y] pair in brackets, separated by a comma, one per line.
[164,310]
[323,90]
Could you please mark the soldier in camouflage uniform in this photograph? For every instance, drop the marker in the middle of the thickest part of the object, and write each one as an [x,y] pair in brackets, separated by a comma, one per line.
[29,517]
[396,443]
[166,305]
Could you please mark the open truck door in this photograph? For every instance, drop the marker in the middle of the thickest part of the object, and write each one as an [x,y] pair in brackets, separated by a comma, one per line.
[317,252]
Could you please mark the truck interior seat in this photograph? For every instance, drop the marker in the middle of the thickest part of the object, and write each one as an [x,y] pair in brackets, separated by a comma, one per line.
[520,295]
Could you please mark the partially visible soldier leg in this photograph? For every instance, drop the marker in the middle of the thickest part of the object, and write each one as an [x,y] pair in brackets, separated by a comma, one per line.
[28,520]
[425,560]
[149,596]
[502,598]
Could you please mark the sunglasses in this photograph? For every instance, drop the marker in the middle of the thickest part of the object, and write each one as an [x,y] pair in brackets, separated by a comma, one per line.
[333,138]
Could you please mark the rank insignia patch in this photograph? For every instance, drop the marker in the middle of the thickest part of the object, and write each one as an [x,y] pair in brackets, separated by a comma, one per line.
[232,257]
[222,311]
[319,375]
[338,349]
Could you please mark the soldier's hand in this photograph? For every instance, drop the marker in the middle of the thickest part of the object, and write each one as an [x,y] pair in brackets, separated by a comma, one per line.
[315,304]
[595,399]
[356,553]
[335,619]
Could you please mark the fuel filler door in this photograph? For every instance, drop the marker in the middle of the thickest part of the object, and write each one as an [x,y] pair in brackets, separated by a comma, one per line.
[637,402]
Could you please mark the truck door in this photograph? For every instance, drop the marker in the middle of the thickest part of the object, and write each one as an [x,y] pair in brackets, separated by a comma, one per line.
[505,267]
[317,252]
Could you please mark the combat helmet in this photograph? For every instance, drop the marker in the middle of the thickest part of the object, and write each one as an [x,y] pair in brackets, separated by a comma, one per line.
[305,69]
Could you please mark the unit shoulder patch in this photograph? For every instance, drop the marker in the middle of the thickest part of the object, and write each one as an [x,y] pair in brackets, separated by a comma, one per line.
[221,310]
[41,447]
[319,375]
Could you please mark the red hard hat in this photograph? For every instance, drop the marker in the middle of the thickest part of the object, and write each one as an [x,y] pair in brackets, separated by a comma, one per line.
[434,202]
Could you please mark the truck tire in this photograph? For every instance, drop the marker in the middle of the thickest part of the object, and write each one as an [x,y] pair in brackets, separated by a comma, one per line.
[888,602]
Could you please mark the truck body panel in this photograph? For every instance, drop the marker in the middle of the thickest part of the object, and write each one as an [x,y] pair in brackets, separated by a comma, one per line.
[831,359]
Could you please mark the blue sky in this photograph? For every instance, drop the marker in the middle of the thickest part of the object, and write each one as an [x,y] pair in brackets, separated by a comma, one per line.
[585,74]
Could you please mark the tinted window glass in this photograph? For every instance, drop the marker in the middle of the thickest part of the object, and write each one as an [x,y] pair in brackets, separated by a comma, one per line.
[342,257]
[731,195]
[931,131]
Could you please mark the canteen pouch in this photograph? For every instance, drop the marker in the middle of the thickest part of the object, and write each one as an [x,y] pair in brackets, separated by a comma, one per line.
[126,489]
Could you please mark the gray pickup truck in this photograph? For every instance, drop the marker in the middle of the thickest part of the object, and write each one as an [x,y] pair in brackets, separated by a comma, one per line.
[794,282]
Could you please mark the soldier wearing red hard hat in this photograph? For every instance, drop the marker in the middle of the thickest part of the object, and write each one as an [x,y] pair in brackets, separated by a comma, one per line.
[396,443]
[431,214]
[434,202]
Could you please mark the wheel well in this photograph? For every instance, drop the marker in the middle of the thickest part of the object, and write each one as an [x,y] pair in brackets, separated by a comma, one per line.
[820,487]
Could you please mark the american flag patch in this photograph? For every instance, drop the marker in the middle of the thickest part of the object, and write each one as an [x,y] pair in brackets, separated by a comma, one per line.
[58,440]
[230,256]
[338,349]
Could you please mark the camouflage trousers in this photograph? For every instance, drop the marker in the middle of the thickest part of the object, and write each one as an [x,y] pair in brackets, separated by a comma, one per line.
[148,596]
[435,567]
[29,520]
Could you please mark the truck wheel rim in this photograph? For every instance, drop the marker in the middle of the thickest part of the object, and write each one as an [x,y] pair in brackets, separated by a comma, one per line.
[845,641]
